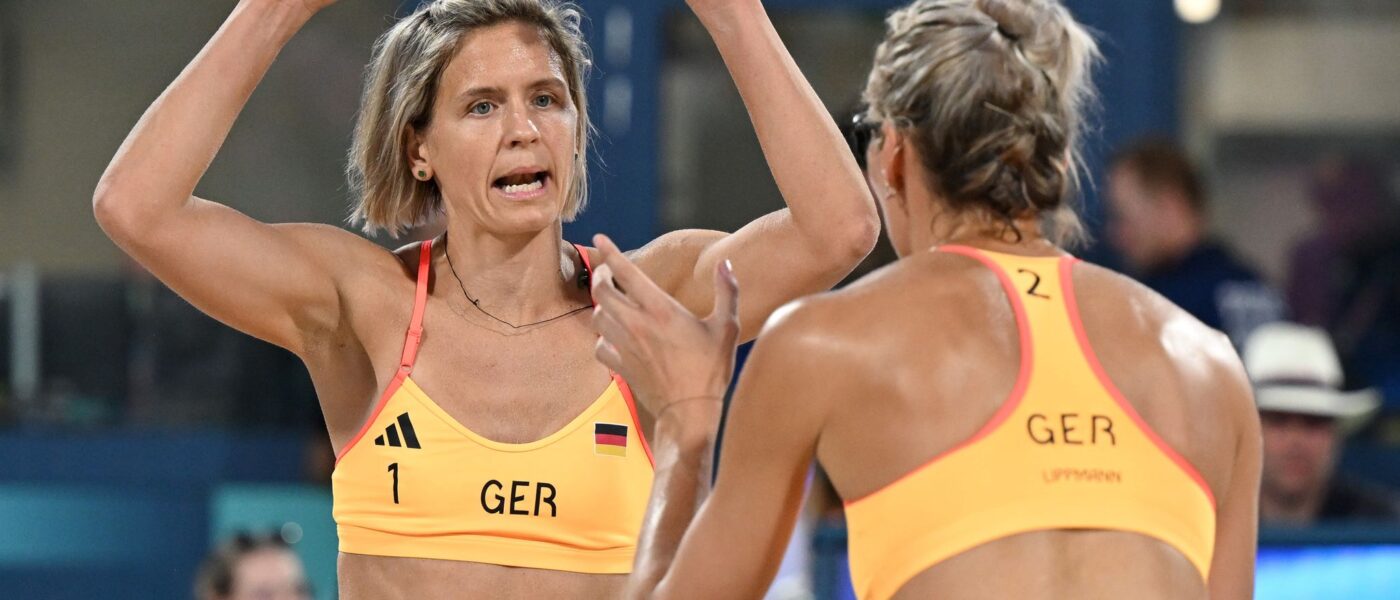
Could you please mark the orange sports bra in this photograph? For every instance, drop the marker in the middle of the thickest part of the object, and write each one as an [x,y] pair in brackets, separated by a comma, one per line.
[1065,451]
[421,485]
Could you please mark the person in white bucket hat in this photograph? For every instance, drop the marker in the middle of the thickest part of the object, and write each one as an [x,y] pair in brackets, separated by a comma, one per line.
[1305,416]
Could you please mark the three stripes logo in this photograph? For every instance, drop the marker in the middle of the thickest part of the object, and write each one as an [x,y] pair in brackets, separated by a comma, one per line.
[391,434]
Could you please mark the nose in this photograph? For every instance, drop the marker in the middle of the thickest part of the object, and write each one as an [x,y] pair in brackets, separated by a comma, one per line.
[520,127]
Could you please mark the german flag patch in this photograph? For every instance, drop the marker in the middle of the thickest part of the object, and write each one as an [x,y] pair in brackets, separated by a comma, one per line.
[610,439]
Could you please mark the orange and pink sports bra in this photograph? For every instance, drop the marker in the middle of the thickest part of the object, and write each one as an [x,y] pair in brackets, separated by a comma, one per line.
[1065,451]
[416,483]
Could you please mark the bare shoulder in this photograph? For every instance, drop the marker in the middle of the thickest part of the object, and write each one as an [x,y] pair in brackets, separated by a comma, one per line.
[814,338]
[1202,358]
[406,259]
[870,324]
[1182,335]
[937,293]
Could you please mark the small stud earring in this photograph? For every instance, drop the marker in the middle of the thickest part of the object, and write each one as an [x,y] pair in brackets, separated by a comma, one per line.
[422,174]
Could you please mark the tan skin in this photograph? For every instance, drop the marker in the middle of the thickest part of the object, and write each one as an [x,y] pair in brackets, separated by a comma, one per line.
[923,352]
[343,304]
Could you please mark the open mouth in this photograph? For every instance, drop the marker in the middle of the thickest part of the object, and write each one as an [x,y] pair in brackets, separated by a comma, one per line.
[521,184]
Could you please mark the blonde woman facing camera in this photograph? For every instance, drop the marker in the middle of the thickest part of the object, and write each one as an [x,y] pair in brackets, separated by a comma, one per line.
[1001,420]
[481,450]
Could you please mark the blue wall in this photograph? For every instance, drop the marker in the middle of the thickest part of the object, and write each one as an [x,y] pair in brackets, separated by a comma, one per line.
[121,514]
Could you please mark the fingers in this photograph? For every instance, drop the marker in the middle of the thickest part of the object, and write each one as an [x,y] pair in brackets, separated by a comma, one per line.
[640,288]
[726,296]
[612,329]
[606,293]
[608,355]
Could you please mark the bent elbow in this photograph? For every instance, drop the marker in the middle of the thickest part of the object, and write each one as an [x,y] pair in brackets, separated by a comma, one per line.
[116,212]
[107,209]
[860,234]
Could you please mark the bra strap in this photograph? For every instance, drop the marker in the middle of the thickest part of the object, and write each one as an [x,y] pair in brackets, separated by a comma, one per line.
[420,304]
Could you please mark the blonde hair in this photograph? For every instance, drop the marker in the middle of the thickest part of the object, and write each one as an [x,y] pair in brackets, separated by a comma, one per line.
[993,93]
[401,82]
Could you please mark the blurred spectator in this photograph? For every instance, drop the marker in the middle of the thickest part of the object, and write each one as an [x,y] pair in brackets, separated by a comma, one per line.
[252,567]
[1346,277]
[1305,416]
[1157,212]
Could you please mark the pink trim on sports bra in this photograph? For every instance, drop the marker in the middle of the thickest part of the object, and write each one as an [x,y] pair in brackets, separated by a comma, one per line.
[412,340]
[1023,378]
[1067,282]
[621,383]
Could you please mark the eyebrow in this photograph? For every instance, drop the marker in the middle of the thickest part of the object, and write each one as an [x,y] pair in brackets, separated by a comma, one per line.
[480,91]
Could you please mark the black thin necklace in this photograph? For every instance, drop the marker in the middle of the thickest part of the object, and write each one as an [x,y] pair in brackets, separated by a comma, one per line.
[477,303]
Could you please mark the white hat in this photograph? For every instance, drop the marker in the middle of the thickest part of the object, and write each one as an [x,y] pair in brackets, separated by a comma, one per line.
[1295,370]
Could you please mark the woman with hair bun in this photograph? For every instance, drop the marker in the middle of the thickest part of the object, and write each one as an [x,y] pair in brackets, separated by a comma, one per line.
[481,451]
[1000,419]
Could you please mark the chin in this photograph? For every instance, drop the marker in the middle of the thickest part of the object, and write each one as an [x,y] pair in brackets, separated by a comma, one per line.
[527,220]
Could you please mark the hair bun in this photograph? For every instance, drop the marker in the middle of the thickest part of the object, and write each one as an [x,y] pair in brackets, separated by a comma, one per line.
[992,94]
[1014,19]
[1007,34]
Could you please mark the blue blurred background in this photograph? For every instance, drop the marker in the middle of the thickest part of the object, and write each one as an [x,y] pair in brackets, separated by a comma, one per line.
[135,433]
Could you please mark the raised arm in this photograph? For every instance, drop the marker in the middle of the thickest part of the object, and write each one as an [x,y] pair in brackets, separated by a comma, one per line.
[830,222]
[262,279]
[678,365]
[744,526]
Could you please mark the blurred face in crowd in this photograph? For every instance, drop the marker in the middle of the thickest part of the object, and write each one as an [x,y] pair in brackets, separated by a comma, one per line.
[1299,455]
[1136,224]
[269,574]
[1349,200]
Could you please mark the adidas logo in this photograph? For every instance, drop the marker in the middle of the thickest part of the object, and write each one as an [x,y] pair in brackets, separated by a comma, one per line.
[391,434]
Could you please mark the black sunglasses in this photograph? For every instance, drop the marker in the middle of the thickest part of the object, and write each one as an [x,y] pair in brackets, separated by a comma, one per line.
[859,135]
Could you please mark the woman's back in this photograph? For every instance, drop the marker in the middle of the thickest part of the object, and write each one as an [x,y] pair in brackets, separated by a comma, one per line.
[957,401]
[937,356]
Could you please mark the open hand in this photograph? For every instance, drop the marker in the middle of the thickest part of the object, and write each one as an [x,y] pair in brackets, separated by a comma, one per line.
[666,354]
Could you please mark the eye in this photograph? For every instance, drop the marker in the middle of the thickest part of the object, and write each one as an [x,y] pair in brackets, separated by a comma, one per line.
[481,108]
[544,101]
